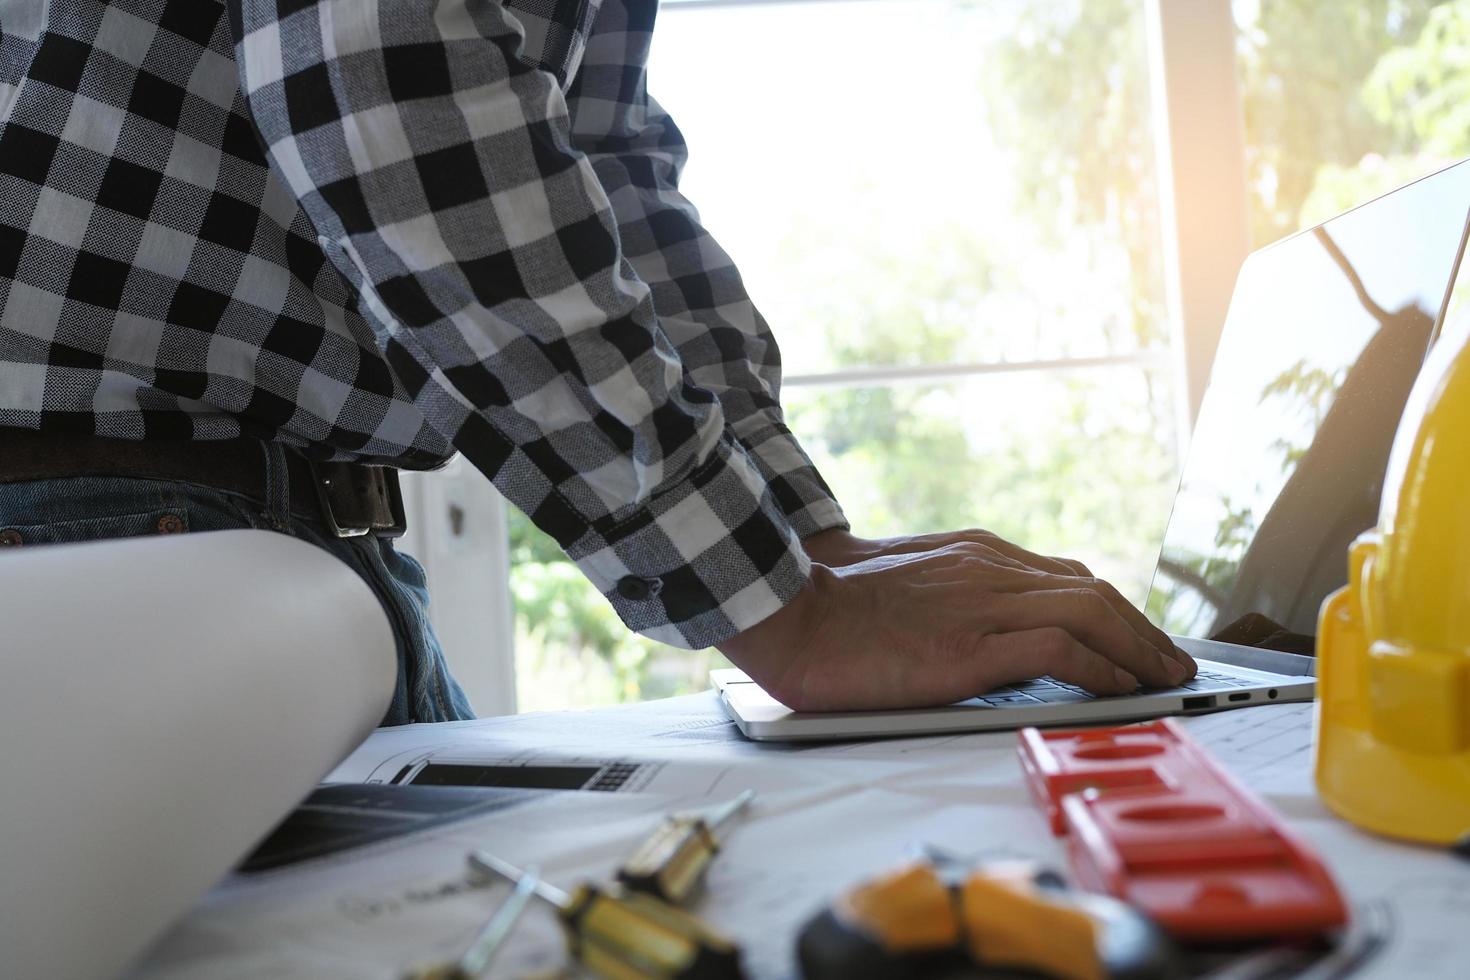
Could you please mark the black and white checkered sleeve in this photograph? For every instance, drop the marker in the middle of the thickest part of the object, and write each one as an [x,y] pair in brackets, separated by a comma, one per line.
[436,166]
[722,339]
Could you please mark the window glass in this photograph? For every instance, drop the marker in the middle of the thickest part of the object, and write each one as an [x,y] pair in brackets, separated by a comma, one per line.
[1064,462]
[986,166]
[1344,102]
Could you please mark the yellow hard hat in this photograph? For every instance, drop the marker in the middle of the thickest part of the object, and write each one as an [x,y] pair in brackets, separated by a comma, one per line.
[1393,718]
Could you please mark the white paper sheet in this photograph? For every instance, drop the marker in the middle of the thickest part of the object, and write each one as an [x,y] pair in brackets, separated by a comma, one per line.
[165,701]
[1269,748]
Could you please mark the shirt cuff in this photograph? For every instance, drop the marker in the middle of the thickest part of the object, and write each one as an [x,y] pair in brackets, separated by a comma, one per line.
[794,481]
[703,560]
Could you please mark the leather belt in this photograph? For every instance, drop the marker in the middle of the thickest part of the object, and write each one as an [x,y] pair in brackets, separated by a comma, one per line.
[349,499]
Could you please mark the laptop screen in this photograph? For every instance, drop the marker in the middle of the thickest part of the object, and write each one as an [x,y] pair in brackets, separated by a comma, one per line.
[1325,335]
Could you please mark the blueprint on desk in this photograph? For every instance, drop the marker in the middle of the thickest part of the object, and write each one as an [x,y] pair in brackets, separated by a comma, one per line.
[826,816]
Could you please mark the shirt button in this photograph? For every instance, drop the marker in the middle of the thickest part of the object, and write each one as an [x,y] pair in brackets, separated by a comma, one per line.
[636,589]
[10,538]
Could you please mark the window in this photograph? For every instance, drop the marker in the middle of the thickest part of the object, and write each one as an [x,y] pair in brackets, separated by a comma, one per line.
[950,213]
[947,212]
[1346,102]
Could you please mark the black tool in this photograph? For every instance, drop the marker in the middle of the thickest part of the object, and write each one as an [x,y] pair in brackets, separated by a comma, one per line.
[999,919]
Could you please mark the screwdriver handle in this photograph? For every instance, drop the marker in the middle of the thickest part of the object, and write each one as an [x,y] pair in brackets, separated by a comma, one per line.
[631,936]
[672,861]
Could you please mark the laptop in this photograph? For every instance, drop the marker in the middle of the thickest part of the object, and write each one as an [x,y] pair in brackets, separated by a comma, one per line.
[1325,336]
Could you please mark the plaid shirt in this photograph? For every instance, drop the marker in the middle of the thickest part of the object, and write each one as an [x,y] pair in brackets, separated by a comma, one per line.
[463,232]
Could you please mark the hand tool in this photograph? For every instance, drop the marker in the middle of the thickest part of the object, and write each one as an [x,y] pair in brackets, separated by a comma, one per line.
[624,935]
[1150,818]
[995,919]
[671,863]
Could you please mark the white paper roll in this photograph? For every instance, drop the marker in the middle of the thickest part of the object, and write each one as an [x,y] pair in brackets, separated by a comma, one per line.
[163,703]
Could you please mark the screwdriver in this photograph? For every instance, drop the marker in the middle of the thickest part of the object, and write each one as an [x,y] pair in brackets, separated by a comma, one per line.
[476,959]
[671,862]
[623,935]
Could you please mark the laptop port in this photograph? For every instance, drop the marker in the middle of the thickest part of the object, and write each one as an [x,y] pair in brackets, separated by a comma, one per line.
[1241,696]
[1203,701]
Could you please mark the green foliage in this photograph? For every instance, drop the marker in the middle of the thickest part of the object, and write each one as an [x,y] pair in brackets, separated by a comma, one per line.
[1421,90]
[1340,187]
[1068,89]
[528,545]
[900,468]
[571,648]
[1303,67]
[1310,390]
[1205,577]
[558,609]
[1235,529]
[1054,462]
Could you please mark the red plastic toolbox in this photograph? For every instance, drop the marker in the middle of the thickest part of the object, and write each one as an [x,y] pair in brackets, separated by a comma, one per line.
[1150,818]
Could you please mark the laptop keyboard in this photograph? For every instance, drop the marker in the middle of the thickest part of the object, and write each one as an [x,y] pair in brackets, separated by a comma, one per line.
[1047,690]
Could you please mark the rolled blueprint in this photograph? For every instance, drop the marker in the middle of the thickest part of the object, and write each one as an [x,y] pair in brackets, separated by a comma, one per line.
[163,703]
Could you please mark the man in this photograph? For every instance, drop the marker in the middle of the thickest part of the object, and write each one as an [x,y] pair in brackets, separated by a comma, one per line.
[236,237]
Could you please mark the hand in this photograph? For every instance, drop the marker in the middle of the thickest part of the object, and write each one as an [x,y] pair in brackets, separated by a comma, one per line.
[932,627]
[837,547]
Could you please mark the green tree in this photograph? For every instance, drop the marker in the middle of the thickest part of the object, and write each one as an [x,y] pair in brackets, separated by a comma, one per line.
[1420,90]
[558,609]
[1068,91]
[1303,65]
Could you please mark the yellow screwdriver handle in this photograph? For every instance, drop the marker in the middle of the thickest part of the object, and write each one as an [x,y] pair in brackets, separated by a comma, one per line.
[622,935]
[671,862]
[629,936]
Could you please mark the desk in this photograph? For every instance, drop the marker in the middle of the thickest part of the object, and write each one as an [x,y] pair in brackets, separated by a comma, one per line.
[827,816]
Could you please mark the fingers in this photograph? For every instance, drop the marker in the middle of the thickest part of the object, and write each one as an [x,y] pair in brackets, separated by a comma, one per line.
[1056,566]
[1078,569]
[1076,575]
[998,544]
[929,628]
[1135,618]
[993,543]
[1009,657]
[1126,635]
[1092,620]
[1140,623]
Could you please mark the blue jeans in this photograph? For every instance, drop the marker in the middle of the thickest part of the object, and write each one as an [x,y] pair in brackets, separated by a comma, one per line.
[43,512]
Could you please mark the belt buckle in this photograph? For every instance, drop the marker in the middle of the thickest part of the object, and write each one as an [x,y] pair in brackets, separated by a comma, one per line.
[358,500]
